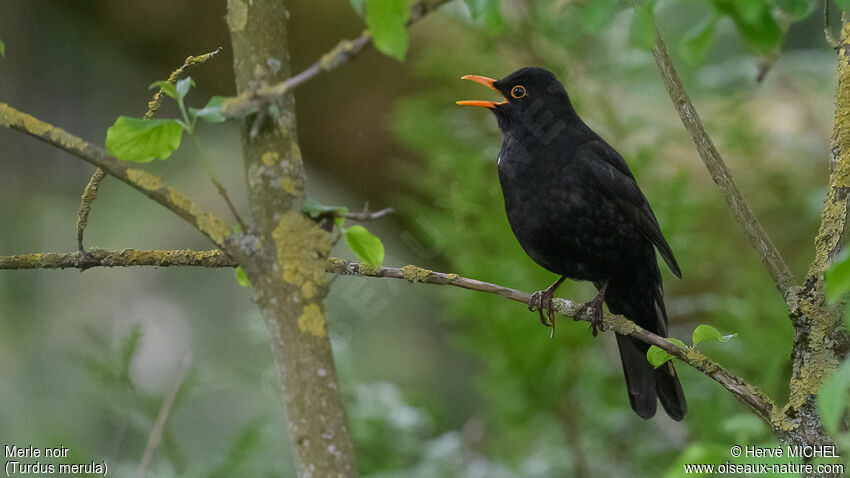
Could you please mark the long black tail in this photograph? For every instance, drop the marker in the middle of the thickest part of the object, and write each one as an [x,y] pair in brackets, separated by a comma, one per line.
[641,299]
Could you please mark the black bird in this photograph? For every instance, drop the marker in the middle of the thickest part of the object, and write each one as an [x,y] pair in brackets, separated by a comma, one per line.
[576,209]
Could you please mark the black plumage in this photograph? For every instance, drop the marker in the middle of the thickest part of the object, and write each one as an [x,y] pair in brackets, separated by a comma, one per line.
[576,210]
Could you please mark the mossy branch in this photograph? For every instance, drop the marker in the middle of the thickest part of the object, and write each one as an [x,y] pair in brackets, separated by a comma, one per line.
[252,101]
[760,403]
[149,185]
[722,176]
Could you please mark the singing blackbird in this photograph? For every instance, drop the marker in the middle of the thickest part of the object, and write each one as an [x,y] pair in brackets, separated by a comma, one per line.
[576,210]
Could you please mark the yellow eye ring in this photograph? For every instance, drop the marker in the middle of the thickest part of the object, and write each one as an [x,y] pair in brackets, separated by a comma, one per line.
[518,91]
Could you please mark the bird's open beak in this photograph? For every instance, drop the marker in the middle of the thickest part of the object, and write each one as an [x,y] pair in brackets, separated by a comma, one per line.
[488,82]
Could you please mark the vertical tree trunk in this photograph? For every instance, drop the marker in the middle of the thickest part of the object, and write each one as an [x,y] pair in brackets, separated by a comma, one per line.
[284,253]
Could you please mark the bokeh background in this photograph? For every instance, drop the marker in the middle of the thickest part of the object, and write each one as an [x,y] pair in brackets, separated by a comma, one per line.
[438,383]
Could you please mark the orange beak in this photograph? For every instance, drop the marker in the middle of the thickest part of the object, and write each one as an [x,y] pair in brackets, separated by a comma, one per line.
[488,82]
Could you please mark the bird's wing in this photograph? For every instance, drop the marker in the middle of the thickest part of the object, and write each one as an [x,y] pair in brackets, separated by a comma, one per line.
[611,173]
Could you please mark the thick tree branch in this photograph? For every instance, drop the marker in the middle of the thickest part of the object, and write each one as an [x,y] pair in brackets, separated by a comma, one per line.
[254,100]
[149,185]
[722,176]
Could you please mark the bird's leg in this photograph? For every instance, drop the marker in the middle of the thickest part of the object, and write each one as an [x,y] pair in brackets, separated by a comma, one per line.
[542,300]
[595,307]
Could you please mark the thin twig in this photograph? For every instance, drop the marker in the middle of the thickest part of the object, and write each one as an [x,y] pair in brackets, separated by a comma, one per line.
[367,215]
[88,197]
[90,193]
[125,258]
[251,101]
[827,29]
[149,185]
[155,436]
[722,176]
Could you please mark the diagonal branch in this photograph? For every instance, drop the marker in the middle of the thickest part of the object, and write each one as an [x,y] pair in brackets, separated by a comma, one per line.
[722,176]
[252,101]
[149,185]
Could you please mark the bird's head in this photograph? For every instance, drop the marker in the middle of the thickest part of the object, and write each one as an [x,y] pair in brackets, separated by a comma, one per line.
[527,93]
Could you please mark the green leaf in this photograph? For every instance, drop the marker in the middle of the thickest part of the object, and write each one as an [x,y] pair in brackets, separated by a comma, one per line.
[658,356]
[834,396]
[358,5]
[696,43]
[754,21]
[314,208]
[387,21]
[241,277]
[166,87]
[367,246]
[183,86]
[142,141]
[2,49]
[211,113]
[837,277]
[705,332]
[642,32]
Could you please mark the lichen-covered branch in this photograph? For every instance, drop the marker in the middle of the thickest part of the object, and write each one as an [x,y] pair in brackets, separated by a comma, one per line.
[149,185]
[757,401]
[253,100]
[722,176]
[96,257]
[179,74]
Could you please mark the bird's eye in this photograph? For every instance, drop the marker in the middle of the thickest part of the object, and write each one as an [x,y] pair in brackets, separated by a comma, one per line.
[518,91]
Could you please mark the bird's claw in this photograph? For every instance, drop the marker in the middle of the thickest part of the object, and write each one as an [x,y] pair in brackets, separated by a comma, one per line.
[542,302]
[594,308]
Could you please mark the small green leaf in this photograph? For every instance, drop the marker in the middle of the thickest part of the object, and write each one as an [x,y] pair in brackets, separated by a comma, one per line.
[834,396]
[166,88]
[357,5]
[657,356]
[642,33]
[837,277]
[142,141]
[798,9]
[211,113]
[183,86]
[597,14]
[705,332]
[2,49]
[241,277]
[677,342]
[754,21]
[367,246]
[696,43]
[387,21]
[314,208]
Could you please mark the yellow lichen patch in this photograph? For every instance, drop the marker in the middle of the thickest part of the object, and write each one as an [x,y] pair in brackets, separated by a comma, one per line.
[415,274]
[213,227]
[295,153]
[312,321]
[369,270]
[143,179]
[288,184]
[302,249]
[13,118]
[308,290]
[452,277]
[182,202]
[237,15]
[269,158]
